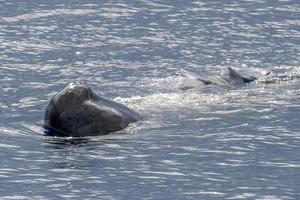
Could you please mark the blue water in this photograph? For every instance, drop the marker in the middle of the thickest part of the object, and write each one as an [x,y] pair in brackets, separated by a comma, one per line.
[204,143]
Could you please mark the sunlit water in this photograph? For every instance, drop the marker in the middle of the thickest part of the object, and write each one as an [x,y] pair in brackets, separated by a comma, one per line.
[204,143]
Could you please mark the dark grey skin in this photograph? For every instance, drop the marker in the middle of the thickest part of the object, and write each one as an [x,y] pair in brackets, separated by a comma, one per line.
[77,111]
[228,77]
[231,78]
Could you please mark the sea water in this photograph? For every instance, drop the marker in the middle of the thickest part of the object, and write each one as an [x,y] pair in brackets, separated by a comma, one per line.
[202,143]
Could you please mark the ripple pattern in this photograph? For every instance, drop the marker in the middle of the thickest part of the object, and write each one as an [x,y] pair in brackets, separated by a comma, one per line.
[203,143]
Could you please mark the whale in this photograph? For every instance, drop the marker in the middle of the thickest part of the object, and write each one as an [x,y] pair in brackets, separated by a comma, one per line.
[228,77]
[77,111]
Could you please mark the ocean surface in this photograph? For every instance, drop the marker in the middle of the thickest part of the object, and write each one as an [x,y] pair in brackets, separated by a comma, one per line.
[203,143]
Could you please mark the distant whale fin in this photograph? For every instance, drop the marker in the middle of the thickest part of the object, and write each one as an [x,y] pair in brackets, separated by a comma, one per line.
[233,76]
[229,72]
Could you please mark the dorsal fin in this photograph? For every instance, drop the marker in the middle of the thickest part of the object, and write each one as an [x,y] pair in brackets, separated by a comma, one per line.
[232,77]
[231,74]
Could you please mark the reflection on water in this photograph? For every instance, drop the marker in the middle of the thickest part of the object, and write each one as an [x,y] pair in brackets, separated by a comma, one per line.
[202,143]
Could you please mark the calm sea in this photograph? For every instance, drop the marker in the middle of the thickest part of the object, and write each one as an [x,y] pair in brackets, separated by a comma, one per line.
[205,143]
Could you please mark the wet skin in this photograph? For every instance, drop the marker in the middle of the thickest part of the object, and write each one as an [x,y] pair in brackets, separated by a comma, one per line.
[77,111]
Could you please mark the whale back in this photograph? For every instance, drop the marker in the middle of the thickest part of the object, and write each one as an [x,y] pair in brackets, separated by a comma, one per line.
[227,77]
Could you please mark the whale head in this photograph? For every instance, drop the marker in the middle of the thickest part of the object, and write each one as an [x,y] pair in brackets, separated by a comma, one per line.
[67,107]
[71,96]
[77,111]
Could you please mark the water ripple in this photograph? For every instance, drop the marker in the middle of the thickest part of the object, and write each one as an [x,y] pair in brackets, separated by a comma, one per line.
[205,142]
